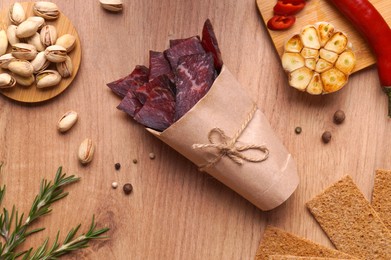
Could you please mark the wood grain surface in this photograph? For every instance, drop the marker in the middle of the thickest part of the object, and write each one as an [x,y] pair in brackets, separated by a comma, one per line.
[32,94]
[176,212]
[321,10]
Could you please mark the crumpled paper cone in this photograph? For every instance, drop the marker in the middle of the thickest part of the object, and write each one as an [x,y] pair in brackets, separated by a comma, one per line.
[227,108]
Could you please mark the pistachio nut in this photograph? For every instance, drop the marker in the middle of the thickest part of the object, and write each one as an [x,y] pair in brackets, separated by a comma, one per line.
[16,13]
[35,40]
[3,42]
[48,35]
[65,68]
[24,51]
[24,81]
[6,80]
[5,60]
[86,151]
[68,41]
[47,78]
[56,53]
[40,63]
[21,67]
[112,5]
[11,34]
[27,29]
[47,10]
[38,20]
[67,121]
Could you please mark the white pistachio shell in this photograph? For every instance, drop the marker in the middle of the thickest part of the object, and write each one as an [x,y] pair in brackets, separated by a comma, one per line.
[3,42]
[38,20]
[112,5]
[56,53]
[65,68]
[6,80]
[47,10]
[24,81]
[67,120]
[86,151]
[40,63]
[35,40]
[48,35]
[48,78]
[27,29]
[68,41]
[21,67]
[11,34]
[24,51]
[5,60]
[16,13]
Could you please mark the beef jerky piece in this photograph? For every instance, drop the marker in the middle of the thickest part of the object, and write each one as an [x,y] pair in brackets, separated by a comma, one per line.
[159,107]
[130,104]
[195,76]
[158,65]
[138,77]
[143,93]
[187,47]
[174,42]
[209,42]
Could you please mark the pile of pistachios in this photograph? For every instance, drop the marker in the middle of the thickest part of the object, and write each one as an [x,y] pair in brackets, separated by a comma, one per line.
[35,45]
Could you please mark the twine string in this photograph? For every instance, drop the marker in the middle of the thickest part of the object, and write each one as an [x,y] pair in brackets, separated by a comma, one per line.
[228,146]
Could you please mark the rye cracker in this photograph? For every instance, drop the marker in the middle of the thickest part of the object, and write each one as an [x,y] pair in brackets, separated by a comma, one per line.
[350,222]
[278,242]
[381,197]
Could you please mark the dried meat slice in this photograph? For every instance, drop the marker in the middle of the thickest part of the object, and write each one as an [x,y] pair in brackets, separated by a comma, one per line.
[158,65]
[136,78]
[174,42]
[187,47]
[130,104]
[158,101]
[210,44]
[195,75]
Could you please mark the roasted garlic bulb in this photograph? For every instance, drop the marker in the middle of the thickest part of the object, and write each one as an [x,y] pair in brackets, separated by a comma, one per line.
[319,60]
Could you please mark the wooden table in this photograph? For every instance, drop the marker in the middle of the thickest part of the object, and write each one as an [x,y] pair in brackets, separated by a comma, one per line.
[176,212]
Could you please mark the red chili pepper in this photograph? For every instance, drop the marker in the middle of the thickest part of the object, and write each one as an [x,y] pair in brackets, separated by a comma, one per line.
[370,23]
[288,7]
[279,22]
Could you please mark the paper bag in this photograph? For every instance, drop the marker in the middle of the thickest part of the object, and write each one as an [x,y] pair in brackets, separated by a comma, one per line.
[227,111]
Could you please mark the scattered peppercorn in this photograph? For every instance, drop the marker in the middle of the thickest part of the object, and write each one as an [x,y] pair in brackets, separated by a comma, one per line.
[117,166]
[152,156]
[127,188]
[298,130]
[326,137]
[134,161]
[114,185]
[339,117]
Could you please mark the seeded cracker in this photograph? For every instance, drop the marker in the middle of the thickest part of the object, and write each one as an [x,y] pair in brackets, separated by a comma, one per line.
[381,198]
[278,242]
[291,257]
[350,222]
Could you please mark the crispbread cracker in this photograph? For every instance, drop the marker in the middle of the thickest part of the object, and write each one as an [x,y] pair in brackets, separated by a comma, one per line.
[278,242]
[291,257]
[381,197]
[350,222]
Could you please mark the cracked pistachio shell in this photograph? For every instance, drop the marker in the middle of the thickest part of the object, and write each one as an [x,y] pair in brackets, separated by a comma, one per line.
[48,35]
[3,42]
[24,51]
[48,78]
[16,13]
[24,81]
[56,53]
[11,34]
[21,67]
[67,120]
[65,68]
[5,60]
[6,80]
[112,5]
[35,40]
[40,63]
[68,41]
[27,29]
[47,10]
[38,20]
[86,151]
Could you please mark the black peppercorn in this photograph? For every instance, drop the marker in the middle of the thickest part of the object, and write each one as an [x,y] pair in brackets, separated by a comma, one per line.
[326,137]
[134,161]
[117,166]
[339,117]
[127,188]
[298,130]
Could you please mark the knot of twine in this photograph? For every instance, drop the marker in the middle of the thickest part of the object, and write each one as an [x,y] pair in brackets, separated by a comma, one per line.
[228,146]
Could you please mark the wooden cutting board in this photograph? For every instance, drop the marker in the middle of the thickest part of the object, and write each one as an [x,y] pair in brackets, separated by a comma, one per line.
[321,10]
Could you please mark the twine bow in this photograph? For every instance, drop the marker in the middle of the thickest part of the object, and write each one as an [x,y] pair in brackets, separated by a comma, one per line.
[228,146]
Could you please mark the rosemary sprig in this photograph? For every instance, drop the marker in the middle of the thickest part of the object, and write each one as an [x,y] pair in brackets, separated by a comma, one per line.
[14,229]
